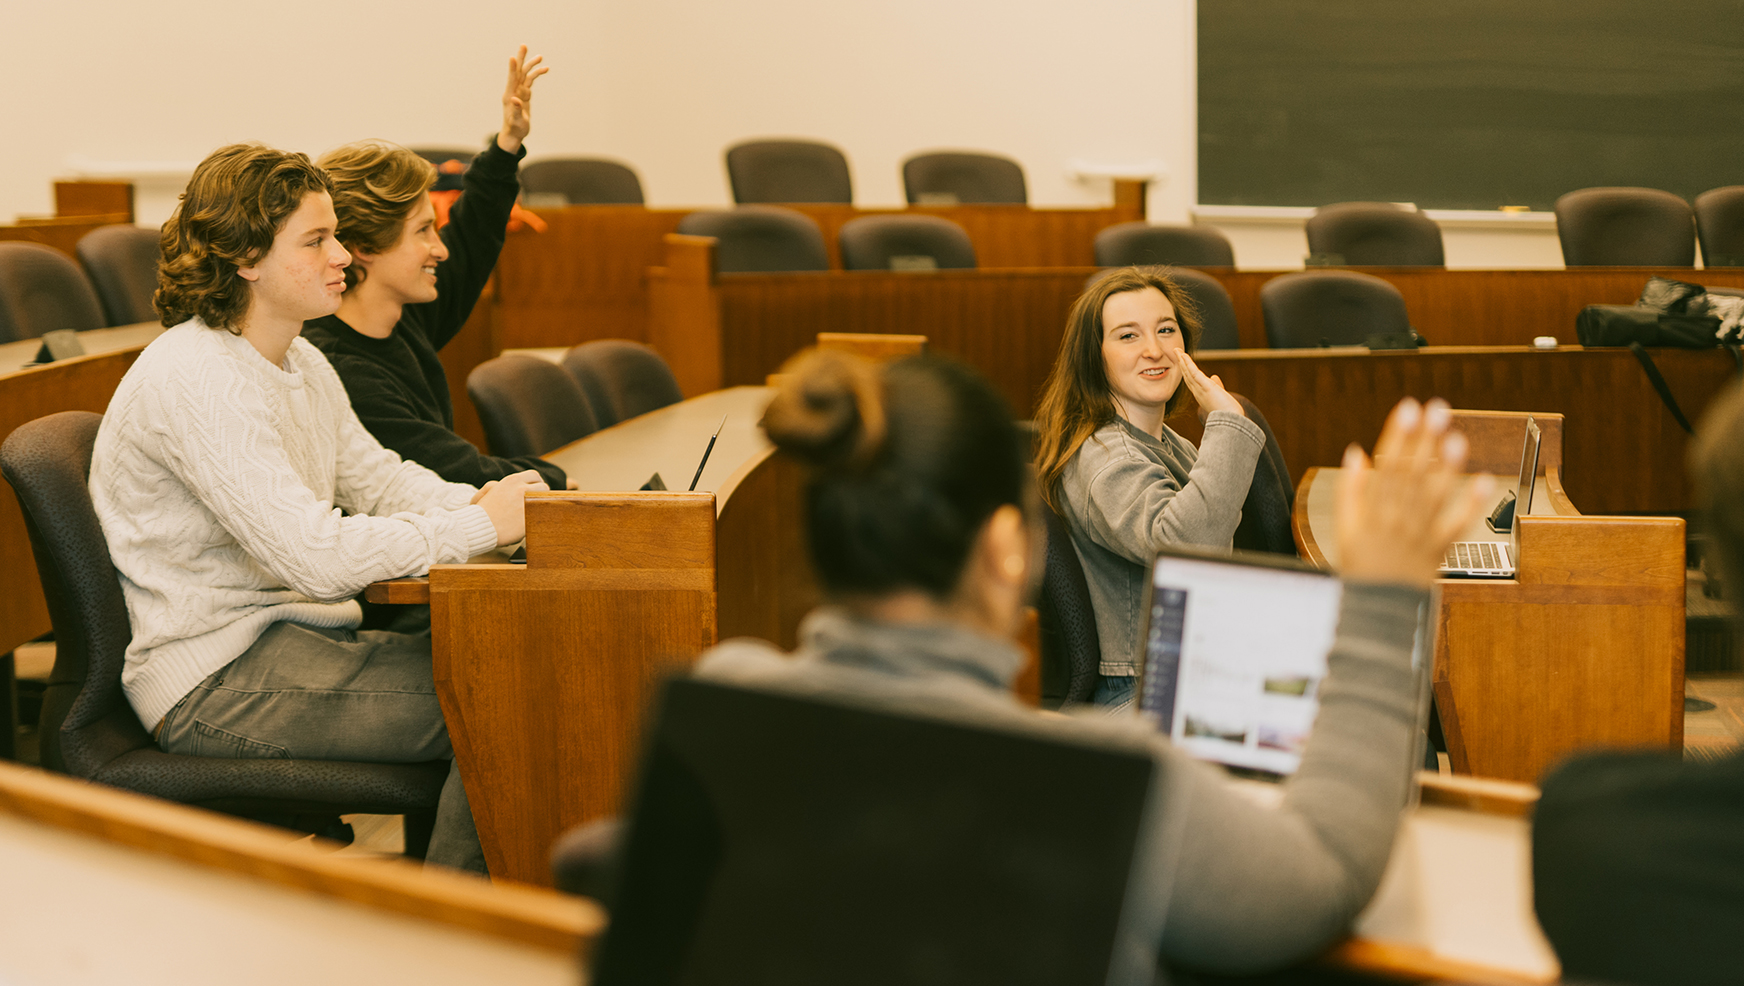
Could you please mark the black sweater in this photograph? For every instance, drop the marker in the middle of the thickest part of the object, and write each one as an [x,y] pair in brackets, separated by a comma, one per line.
[397,385]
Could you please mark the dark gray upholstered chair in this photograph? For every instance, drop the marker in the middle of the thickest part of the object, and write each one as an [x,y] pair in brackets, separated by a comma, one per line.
[763,171]
[879,243]
[760,239]
[42,290]
[581,181]
[1271,497]
[959,178]
[89,729]
[1374,234]
[1071,651]
[621,379]
[122,264]
[585,860]
[528,405]
[1720,226]
[1147,245]
[1330,308]
[1216,310]
[1625,227]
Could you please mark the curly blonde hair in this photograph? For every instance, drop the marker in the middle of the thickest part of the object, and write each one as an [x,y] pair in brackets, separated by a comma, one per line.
[239,198]
[376,186]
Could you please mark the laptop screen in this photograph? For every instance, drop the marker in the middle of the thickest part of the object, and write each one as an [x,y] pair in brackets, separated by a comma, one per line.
[1235,650]
[1525,485]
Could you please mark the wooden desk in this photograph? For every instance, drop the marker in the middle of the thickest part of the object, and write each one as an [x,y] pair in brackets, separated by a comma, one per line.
[585,277]
[544,669]
[1582,648]
[83,383]
[61,232]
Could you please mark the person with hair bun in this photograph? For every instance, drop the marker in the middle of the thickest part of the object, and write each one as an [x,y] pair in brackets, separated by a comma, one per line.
[1124,482]
[920,524]
[410,288]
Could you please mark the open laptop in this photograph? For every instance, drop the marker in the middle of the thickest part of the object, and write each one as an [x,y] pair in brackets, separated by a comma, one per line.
[1235,654]
[779,839]
[1500,559]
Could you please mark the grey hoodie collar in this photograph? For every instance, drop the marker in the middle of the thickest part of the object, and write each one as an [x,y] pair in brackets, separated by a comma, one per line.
[834,636]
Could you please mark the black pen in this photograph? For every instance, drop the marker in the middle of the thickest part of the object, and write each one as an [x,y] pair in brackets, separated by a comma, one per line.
[706,452]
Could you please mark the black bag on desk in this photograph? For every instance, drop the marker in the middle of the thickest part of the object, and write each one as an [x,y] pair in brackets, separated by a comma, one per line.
[1637,328]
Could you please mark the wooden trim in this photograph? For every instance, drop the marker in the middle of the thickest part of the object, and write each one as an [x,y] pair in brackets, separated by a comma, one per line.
[530,916]
[684,313]
[1306,546]
[93,198]
[1416,964]
[873,345]
[1481,794]
[1559,500]
[60,233]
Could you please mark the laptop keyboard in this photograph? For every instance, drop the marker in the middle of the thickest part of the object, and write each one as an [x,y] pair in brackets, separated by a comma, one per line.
[1472,554]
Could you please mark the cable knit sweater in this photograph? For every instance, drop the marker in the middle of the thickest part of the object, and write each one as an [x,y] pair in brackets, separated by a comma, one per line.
[235,494]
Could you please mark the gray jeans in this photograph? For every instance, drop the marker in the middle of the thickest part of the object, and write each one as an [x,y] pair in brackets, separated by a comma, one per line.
[317,694]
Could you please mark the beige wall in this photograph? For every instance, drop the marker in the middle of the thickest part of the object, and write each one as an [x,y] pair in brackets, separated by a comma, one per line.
[663,84]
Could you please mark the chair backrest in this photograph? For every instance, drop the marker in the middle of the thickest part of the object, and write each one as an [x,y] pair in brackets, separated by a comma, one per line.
[1625,227]
[1147,245]
[1216,310]
[788,171]
[1271,497]
[1330,308]
[897,243]
[42,290]
[763,239]
[528,405]
[1720,226]
[1071,650]
[621,379]
[86,718]
[122,262]
[956,177]
[1377,234]
[580,181]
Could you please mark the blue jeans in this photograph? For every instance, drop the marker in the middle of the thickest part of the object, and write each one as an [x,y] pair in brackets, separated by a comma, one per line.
[1115,693]
[313,693]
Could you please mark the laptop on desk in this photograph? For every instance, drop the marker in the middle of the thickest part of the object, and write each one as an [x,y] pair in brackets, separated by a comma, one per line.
[1500,559]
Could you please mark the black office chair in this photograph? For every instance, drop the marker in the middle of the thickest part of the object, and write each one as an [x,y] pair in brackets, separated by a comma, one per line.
[122,263]
[528,406]
[1375,234]
[579,181]
[763,171]
[760,239]
[1071,650]
[89,729]
[1271,497]
[1217,328]
[1330,308]
[1720,226]
[43,290]
[1625,227]
[621,379]
[1147,245]
[905,243]
[963,178]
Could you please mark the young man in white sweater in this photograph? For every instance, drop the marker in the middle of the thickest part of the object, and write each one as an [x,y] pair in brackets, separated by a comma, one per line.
[245,507]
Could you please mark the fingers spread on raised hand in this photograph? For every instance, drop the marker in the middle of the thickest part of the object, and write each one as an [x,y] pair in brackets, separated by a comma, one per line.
[1401,422]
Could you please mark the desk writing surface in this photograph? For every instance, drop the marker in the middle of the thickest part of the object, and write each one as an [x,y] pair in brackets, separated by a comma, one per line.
[671,441]
[14,356]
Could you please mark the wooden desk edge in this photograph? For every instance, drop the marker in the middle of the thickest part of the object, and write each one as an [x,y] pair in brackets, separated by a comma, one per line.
[1481,794]
[512,912]
[1306,546]
[1415,963]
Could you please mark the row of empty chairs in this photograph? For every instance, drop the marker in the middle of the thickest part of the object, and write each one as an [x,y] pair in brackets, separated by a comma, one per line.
[531,406]
[42,289]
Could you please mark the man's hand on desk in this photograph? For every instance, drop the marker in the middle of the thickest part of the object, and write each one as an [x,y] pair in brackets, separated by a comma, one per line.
[1397,515]
[505,502]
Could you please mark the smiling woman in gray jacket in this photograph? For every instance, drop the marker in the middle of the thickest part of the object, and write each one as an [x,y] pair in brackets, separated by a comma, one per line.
[1124,482]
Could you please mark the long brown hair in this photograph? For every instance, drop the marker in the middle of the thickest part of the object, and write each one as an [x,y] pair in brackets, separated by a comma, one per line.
[1077,400]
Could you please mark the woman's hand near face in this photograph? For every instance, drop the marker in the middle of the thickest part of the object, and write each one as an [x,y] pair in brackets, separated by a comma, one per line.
[1397,515]
[1207,392]
[518,99]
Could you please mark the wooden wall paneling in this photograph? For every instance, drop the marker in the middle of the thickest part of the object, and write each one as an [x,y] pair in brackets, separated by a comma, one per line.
[684,313]
[1498,438]
[63,234]
[544,670]
[94,198]
[473,344]
[583,278]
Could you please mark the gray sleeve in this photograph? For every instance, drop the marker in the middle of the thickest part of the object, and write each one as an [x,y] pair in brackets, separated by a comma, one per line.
[1132,505]
[1256,888]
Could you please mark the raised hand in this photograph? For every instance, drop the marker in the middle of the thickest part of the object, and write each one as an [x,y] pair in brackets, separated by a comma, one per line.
[1207,391]
[1397,515]
[518,99]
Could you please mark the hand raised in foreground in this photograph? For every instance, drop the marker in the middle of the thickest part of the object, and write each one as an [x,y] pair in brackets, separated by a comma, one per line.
[518,99]
[1397,515]
[505,502]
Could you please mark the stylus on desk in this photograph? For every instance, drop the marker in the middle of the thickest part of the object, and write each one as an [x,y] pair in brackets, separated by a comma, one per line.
[707,452]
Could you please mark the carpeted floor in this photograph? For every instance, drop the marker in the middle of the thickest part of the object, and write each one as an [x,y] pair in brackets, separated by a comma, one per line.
[1719,731]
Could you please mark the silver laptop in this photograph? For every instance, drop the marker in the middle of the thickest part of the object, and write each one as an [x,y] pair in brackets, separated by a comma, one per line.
[1500,559]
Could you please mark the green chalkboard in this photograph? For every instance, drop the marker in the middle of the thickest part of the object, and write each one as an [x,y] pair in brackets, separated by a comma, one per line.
[1466,104]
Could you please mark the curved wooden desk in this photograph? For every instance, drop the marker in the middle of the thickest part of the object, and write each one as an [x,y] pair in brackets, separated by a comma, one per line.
[544,669]
[1582,648]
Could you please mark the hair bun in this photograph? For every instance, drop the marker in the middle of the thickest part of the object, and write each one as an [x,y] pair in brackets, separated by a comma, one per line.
[829,411]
